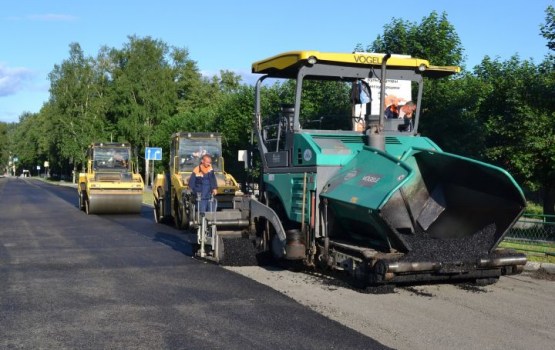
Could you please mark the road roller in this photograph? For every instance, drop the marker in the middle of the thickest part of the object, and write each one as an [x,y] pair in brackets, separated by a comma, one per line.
[111,184]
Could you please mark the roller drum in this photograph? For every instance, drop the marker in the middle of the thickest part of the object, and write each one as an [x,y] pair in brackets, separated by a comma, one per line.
[115,203]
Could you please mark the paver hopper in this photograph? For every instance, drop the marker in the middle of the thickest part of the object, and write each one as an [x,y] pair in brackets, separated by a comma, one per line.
[431,215]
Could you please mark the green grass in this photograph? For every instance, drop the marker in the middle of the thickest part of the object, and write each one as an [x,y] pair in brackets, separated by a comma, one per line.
[540,252]
[148,198]
[533,208]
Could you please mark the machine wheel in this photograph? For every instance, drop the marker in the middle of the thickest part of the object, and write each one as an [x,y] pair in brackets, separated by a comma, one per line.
[159,210]
[181,219]
[82,200]
[157,216]
[273,245]
[87,205]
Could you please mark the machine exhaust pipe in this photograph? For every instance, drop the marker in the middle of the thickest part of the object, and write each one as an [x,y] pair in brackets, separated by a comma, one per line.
[382,89]
[374,135]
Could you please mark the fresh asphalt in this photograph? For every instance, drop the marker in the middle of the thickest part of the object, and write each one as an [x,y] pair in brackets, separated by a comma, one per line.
[71,280]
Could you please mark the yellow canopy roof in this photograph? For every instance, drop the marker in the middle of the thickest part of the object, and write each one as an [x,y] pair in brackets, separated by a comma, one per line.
[285,65]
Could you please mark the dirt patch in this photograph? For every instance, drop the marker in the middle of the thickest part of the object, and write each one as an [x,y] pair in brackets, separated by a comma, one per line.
[469,287]
[418,292]
[541,274]
[387,289]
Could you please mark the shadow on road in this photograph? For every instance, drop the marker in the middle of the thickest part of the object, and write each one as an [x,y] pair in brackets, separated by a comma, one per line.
[175,242]
[142,223]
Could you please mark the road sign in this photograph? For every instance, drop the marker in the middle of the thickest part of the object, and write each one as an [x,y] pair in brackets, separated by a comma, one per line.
[153,153]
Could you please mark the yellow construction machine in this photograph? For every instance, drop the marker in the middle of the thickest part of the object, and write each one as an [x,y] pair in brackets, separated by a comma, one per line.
[169,189]
[221,235]
[110,185]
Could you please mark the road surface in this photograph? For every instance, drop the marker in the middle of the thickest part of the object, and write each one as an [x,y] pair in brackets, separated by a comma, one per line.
[72,280]
[68,280]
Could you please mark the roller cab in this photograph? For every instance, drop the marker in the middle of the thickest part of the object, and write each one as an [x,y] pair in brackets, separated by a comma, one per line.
[110,185]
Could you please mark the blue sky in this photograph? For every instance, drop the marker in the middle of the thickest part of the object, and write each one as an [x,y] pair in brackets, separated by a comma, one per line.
[35,34]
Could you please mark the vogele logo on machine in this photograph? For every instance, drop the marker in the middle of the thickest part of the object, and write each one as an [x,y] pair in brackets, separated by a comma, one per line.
[367,59]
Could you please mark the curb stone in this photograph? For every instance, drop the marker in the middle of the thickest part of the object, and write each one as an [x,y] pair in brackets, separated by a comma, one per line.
[532,266]
[549,268]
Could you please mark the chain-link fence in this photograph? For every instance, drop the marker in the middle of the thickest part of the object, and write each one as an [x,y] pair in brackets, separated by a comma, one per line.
[533,235]
[533,228]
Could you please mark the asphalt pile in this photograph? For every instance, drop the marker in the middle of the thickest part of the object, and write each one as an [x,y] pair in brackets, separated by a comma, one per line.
[450,250]
[239,252]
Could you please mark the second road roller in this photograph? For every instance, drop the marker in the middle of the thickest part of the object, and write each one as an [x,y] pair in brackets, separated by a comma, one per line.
[110,184]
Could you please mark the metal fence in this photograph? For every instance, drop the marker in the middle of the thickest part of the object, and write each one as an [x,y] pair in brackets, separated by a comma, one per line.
[535,228]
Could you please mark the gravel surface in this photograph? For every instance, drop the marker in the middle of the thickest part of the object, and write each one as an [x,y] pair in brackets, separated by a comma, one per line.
[515,313]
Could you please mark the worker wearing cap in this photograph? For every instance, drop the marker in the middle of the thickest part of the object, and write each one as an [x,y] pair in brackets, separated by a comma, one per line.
[203,183]
[406,112]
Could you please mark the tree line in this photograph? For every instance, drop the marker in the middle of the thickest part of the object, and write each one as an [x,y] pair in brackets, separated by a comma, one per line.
[500,111]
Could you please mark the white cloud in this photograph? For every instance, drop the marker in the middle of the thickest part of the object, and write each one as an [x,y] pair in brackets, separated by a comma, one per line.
[12,79]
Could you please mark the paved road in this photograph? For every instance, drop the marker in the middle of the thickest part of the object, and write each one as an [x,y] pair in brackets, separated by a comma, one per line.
[68,280]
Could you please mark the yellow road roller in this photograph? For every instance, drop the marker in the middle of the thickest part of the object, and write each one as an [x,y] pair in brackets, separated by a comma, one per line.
[111,185]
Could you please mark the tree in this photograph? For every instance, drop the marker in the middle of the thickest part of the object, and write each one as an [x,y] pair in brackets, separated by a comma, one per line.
[25,141]
[192,89]
[448,105]
[449,114]
[547,30]
[434,39]
[75,106]
[144,92]
[4,152]
[518,115]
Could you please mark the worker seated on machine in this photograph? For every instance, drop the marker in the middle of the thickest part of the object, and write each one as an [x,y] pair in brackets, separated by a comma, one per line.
[406,112]
[118,160]
[203,185]
[392,103]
